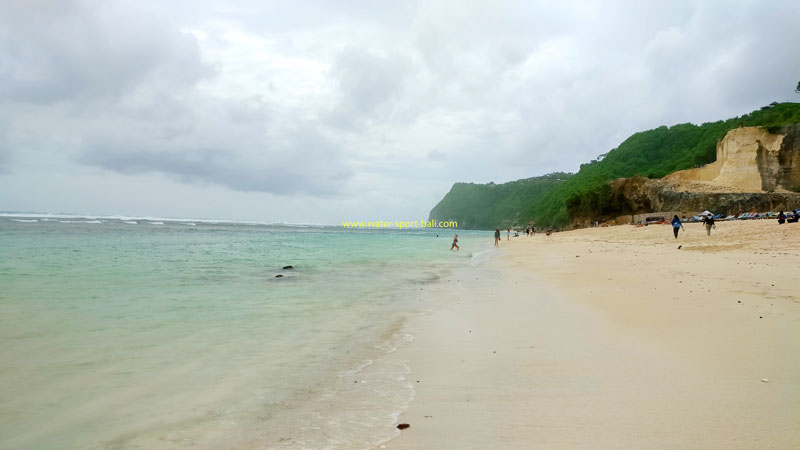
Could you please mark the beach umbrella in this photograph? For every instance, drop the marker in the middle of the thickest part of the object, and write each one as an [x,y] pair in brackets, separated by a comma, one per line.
[707,213]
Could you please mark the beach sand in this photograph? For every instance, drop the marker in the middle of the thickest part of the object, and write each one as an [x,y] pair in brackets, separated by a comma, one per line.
[613,338]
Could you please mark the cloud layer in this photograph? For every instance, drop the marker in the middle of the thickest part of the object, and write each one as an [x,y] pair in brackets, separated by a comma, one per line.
[329,110]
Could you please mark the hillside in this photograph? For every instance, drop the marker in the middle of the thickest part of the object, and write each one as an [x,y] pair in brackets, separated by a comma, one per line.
[488,206]
[652,154]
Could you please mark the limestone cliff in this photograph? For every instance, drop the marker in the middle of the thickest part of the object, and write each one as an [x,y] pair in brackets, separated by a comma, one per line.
[755,171]
[749,160]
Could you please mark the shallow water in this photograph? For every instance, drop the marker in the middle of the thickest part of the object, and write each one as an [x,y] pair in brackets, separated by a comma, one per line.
[132,333]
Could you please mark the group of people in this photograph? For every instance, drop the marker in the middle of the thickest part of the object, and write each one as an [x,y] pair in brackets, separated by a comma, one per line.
[708,221]
[783,219]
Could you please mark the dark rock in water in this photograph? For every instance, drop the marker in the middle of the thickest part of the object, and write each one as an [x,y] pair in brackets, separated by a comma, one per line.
[403,426]
[288,267]
[278,276]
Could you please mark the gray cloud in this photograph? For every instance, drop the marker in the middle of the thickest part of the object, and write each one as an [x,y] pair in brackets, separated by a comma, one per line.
[369,84]
[360,102]
[60,50]
[295,161]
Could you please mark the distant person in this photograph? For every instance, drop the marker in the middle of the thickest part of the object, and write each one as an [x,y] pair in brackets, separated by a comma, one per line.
[496,236]
[677,225]
[455,244]
[533,230]
[708,220]
[508,234]
[781,218]
[796,217]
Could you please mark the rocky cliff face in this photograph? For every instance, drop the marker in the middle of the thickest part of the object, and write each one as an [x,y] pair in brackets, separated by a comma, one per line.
[749,160]
[789,158]
[755,171]
[639,195]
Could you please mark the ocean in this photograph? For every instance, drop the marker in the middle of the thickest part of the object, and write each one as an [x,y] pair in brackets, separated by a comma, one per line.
[123,333]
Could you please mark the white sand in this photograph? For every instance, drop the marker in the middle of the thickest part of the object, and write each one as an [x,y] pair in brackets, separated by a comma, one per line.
[613,338]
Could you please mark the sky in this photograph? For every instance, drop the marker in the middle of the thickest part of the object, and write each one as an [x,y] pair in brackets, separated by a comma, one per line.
[325,111]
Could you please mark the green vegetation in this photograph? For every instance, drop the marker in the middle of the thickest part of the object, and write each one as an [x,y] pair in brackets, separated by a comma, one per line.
[489,206]
[654,154]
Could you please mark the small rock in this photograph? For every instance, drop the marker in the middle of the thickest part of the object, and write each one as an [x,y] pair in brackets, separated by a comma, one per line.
[765,380]
[679,247]
[403,426]
[278,276]
[288,267]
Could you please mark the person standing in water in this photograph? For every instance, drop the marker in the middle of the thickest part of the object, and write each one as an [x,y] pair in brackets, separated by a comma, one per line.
[677,225]
[496,236]
[455,244]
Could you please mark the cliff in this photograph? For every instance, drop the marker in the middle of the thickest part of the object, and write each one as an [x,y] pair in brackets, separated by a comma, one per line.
[749,159]
[755,171]
[488,206]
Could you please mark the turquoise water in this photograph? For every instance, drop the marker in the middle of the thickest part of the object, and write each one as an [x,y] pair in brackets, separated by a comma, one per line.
[159,334]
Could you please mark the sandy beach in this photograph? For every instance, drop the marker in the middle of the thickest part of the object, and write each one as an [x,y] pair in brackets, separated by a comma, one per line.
[612,338]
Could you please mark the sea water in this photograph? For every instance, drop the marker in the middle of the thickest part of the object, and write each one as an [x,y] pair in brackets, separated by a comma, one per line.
[134,333]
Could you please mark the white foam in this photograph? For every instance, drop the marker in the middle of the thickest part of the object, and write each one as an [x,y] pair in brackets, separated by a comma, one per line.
[130,222]
[124,218]
[156,223]
[25,220]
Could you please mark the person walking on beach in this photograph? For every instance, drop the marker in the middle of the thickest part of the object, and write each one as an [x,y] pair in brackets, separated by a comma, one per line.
[455,244]
[709,221]
[508,234]
[677,225]
[496,236]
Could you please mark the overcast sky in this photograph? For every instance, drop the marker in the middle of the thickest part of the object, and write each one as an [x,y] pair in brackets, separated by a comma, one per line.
[323,111]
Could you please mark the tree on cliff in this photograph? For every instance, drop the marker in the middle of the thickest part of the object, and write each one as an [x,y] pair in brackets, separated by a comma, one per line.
[798,87]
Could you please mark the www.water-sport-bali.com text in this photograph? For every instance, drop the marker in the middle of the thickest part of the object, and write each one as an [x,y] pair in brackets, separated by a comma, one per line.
[401,224]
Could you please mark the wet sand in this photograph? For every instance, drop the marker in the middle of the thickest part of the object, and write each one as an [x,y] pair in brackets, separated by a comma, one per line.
[614,338]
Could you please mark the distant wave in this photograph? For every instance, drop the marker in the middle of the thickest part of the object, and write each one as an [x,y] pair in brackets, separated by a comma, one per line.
[190,224]
[156,223]
[66,218]
[80,221]
[130,222]
[25,220]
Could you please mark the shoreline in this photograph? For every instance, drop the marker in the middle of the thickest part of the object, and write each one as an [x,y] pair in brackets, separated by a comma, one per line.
[614,338]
